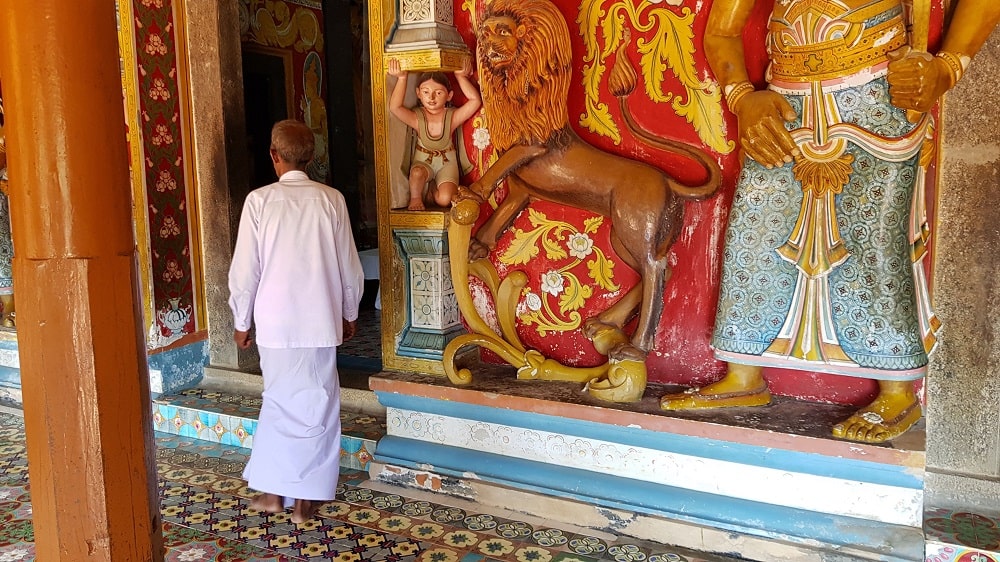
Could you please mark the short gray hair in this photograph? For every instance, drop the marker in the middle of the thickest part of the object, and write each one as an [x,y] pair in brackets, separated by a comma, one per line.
[293,141]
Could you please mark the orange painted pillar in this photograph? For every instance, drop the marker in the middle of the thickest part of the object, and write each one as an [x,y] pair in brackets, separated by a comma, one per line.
[83,363]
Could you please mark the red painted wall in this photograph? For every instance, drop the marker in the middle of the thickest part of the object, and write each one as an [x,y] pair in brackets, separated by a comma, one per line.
[681,354]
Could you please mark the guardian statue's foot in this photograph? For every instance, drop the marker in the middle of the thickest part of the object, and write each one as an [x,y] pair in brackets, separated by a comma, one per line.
[624,382]
[743,386]
[893,412]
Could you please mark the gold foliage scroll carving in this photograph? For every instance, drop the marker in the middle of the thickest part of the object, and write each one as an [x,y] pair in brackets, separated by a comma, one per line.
[666,43]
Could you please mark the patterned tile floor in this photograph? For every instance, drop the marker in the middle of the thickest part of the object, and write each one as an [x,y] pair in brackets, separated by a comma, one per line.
[205,506]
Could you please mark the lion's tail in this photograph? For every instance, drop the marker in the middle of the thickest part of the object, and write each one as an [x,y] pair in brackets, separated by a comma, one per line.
[708,187]
[622,80]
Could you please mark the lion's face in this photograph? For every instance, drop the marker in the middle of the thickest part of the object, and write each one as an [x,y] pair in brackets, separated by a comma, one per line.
[525,63]
[498,40]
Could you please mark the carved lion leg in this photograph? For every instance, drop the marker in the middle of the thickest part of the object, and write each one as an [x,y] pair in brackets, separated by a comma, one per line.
[626,377]
[607,329]
[487,235]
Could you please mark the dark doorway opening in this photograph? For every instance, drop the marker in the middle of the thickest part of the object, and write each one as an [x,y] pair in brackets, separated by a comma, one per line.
[270,95]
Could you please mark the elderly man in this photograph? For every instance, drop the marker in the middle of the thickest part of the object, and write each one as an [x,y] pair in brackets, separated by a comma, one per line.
[296,273]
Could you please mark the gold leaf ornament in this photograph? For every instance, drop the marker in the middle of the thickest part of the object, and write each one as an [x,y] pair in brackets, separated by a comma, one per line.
[602,271]
[668,44]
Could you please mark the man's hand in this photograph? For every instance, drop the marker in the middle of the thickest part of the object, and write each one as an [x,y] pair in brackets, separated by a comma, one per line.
[242,339]
[350,328]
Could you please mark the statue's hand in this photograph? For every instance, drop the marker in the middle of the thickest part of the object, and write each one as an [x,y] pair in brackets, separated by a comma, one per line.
[762,116]
[395,69]
[916,79]
[466,69]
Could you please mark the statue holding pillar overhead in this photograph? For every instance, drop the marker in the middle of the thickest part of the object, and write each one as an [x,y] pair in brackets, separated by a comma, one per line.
[6,243]
[823,265]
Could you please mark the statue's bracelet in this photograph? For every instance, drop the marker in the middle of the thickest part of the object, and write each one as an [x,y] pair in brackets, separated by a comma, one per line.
[956,62]
[735,92]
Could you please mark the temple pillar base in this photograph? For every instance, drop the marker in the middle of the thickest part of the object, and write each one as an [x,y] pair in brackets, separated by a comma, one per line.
[426,37]
[701,481]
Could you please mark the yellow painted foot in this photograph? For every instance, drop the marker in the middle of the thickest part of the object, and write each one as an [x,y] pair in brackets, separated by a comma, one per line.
[889,416]
[624,382]
[604,336]
[716,396]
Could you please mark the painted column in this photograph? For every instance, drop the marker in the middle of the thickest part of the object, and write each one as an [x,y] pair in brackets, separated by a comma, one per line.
[432,317]
[83,363]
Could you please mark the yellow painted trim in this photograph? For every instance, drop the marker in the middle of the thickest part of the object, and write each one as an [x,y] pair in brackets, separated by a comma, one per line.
[447,60]
[140,218]
[191,195]
[381,15]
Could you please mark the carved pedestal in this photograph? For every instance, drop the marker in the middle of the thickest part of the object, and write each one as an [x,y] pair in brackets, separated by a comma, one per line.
[770,486]
[425,37]
[432,318]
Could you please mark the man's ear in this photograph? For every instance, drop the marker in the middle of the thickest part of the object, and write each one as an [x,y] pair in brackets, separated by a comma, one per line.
[274,155]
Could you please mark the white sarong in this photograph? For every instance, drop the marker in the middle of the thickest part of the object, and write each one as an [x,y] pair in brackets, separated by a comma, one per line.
[296,448]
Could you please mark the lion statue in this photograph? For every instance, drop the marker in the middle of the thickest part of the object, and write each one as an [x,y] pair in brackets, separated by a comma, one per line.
[525,66]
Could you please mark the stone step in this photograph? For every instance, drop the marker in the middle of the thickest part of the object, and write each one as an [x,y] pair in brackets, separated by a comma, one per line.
[231,419]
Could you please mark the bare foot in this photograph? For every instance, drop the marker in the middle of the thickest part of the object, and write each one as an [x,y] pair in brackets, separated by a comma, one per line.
[892,412]
[303,511]
[268,503]
[742,386]
[416,205]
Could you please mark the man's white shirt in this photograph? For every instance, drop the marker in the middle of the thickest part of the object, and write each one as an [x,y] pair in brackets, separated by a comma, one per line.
[295,269]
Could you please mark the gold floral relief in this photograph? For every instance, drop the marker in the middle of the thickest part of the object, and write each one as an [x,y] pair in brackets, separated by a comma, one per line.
[666,42]
[561,241]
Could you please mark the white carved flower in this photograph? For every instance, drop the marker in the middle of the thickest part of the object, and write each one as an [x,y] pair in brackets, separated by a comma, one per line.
[481,138]
[552,282]
[580,245]
[533,301]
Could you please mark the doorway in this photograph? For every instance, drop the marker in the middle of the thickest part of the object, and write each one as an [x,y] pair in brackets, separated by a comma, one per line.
[285,79]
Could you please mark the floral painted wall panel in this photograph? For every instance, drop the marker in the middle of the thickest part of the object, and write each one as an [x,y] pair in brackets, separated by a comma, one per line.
[163,164]
[573,271]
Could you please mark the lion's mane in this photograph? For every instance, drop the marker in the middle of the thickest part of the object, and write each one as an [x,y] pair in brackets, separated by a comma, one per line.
[525,102]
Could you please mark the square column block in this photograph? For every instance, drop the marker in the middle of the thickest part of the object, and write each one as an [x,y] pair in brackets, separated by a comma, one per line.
[432,318]
[425,37]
